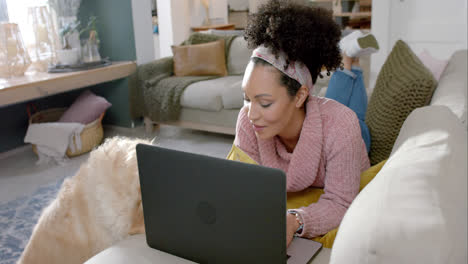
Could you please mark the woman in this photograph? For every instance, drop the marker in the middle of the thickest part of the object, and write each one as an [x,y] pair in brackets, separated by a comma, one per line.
[316,141]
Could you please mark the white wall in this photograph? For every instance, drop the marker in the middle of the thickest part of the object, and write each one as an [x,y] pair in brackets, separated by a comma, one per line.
[438,26]
[165,27]
[142,28]
[218,9]
[254,4]
[181,16]
[240,5]
[176,17]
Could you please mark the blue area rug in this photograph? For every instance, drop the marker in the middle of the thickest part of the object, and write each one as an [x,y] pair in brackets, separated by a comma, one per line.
[18,218]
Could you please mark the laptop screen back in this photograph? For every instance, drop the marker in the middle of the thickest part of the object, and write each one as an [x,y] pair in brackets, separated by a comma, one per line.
[212,210]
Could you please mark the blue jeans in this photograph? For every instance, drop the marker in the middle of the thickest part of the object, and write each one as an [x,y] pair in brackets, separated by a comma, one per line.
[347,87]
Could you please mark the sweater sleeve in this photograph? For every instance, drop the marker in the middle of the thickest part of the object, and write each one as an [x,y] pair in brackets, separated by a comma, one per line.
[245,136]
[343,153]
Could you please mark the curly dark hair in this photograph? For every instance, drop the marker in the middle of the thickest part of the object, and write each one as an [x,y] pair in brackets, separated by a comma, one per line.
[306,34]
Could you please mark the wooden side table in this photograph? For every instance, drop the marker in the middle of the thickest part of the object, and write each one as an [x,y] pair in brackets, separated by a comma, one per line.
[229,26]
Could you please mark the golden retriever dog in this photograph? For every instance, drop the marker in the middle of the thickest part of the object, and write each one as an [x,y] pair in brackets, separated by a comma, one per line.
[94,209]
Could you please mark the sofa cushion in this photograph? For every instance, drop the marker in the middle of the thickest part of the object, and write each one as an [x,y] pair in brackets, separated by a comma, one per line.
[403,84]
[232,93]
[415,209]
[451,91]
[238,57]
[200,59]
[207,95]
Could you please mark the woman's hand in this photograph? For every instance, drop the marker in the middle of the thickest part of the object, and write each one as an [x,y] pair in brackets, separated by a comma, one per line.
[291,227]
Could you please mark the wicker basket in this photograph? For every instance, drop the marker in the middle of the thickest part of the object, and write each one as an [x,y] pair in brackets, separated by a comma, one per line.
[91,135]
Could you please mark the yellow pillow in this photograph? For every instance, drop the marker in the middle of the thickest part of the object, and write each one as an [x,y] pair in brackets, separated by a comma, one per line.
[238,155]
[309,195]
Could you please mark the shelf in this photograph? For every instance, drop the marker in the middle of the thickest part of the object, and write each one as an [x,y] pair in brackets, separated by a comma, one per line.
[32,86]
[218,27]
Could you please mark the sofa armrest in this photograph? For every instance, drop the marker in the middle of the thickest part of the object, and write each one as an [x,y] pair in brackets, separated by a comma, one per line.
[146,72]
[157,67]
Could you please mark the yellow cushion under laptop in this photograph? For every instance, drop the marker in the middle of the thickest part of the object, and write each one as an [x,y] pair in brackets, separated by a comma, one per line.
[309,195]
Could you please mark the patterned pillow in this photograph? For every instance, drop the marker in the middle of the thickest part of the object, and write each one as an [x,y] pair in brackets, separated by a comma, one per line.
[403,85]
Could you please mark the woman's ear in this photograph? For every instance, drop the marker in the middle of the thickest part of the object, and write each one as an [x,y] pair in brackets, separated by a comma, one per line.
[301,96]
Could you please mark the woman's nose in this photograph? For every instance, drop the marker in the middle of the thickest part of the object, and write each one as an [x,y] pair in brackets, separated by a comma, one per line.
[253,113]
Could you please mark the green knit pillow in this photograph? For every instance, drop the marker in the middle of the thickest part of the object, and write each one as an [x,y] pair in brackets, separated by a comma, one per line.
[403,84]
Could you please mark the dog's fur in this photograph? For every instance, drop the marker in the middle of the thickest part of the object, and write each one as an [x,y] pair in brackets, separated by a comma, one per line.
[94,209]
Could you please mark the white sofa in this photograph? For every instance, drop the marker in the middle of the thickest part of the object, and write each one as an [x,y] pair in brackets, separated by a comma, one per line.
[413,211]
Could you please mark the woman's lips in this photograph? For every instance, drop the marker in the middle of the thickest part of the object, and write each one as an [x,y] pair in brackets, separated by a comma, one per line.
[258,128]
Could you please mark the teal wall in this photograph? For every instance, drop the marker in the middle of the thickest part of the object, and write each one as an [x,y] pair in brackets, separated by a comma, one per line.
[115,27]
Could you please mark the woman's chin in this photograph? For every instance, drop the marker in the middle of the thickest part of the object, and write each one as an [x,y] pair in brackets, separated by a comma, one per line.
[263,135]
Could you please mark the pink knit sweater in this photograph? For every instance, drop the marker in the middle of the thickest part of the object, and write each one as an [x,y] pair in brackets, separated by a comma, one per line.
[330,154]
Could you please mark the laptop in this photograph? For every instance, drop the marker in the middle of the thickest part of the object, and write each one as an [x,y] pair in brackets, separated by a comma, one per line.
[212,210]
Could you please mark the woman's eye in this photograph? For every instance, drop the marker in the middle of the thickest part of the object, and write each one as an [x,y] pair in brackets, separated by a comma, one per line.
[266,105]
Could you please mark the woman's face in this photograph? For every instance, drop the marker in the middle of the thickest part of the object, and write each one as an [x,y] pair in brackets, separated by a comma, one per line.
[270,108]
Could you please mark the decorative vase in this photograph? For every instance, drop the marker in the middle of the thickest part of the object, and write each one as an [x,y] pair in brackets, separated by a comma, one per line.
[91,49]
[46,38]
[14,58]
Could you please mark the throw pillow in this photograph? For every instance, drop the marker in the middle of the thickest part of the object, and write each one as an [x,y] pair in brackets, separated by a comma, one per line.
[238,57]
[436,66]
[200,38]
[85,109]
[200,59]
[310,195]
[403,84]
[415,211]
